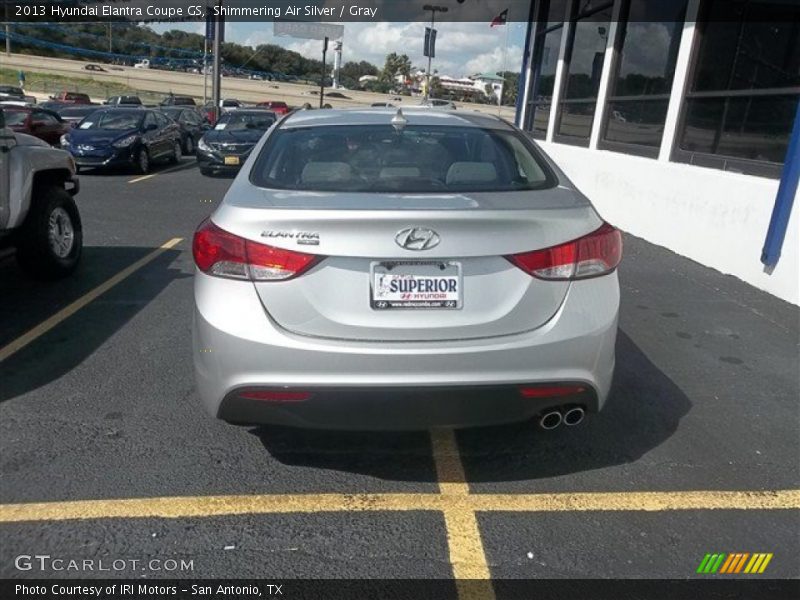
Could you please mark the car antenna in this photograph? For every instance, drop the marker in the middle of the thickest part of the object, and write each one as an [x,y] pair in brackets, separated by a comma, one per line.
[399,121]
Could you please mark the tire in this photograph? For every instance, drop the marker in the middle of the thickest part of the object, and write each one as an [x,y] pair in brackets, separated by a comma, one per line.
[176,152]
[52,236]
[143,161]
[206,172]
[188,145]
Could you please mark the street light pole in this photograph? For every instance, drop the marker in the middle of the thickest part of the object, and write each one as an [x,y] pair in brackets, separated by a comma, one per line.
[324,69]
[434,9]
[216,85]
[8,31]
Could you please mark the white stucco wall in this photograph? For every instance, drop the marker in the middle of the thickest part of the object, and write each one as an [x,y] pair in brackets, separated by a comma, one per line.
[717,218]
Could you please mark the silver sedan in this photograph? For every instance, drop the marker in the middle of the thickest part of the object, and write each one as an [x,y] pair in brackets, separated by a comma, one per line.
[385,269]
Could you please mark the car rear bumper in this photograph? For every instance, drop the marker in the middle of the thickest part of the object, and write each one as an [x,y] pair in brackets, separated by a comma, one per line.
[390,385]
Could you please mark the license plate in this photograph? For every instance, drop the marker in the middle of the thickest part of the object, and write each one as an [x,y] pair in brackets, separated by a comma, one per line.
[231,160]
[416,285]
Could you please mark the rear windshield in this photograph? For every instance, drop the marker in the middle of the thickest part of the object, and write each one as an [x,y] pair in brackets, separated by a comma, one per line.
[238,121]
[113,120]
[423,159]
[15,118]
[76,111]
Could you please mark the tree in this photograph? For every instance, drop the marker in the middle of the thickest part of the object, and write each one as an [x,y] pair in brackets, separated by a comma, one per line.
[510,87]
[396,65]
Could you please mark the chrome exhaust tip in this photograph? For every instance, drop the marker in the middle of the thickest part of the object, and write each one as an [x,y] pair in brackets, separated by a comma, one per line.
[550,420]
[574,416]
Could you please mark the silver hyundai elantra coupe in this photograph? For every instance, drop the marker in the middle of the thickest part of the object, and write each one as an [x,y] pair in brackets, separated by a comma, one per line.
[384,269]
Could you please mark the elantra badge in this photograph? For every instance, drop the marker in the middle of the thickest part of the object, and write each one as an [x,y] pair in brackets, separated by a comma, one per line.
[417,238]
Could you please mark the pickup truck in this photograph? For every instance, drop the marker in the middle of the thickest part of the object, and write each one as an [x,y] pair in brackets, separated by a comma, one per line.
[38,214]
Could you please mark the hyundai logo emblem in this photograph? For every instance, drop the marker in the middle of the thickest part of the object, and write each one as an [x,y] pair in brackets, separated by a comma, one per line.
[417,238]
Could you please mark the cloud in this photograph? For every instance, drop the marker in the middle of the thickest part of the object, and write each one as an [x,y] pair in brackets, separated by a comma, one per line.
[461,48]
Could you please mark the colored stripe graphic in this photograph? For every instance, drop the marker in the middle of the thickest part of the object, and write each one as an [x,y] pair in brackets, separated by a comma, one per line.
[727,565]
[741,562]
[714,565]
[705,561]
[767,558]
[735,563]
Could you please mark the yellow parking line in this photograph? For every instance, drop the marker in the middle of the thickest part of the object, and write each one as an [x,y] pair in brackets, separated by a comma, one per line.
[638,501]
[210,506]
[78,304]
[165,171]
[467,555]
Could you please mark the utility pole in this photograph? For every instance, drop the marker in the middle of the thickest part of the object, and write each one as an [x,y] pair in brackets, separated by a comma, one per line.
[324,69]
[434,9]
[8,30]
[205,71]
[217,82]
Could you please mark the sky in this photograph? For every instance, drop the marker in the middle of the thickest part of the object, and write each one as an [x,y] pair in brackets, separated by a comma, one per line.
[461,48]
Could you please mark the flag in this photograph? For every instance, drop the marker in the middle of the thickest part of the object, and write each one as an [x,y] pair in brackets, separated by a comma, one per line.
[500,19]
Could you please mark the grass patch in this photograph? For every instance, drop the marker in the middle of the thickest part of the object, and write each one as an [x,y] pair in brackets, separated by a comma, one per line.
[51,84]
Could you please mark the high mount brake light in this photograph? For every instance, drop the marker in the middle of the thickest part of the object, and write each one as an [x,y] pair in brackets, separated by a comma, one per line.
[597,253]
[223,254]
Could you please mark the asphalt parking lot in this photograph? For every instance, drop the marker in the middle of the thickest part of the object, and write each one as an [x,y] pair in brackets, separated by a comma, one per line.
[106,452]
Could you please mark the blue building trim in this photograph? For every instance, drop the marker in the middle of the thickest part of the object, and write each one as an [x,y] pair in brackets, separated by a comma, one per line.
[779,222]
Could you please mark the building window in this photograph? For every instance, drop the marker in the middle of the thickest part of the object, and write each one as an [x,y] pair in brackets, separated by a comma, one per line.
[586,48]
[648,40]
[549,17]
[740,107]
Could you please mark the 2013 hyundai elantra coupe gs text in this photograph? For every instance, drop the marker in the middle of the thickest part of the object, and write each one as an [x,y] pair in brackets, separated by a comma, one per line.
[378,269]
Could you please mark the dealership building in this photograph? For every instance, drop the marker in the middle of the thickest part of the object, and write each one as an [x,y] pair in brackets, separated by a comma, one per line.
[675,117]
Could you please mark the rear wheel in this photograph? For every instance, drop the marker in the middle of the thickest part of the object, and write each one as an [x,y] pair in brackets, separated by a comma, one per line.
[52,237]
[206,172]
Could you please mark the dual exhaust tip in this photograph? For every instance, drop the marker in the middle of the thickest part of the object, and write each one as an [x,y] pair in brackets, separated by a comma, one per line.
[555,418]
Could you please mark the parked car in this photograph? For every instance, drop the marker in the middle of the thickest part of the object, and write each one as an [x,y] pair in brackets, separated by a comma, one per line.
[11,92]
[192,125]
[227,146]
[43,124]
[229,103]
[53,105]
[279,108]
[337,95]
[74,114]
[438,103]
[207,110]
[173,100]
[382,105]
[376,270]
[142,64]
[93,67]
[72,98]
[123,101]
[128,137]
[38,214]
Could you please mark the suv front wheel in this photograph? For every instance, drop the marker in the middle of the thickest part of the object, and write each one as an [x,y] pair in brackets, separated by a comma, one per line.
[52,237]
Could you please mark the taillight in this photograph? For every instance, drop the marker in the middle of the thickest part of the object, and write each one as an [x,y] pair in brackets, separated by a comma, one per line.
[595,254]
[223,254]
